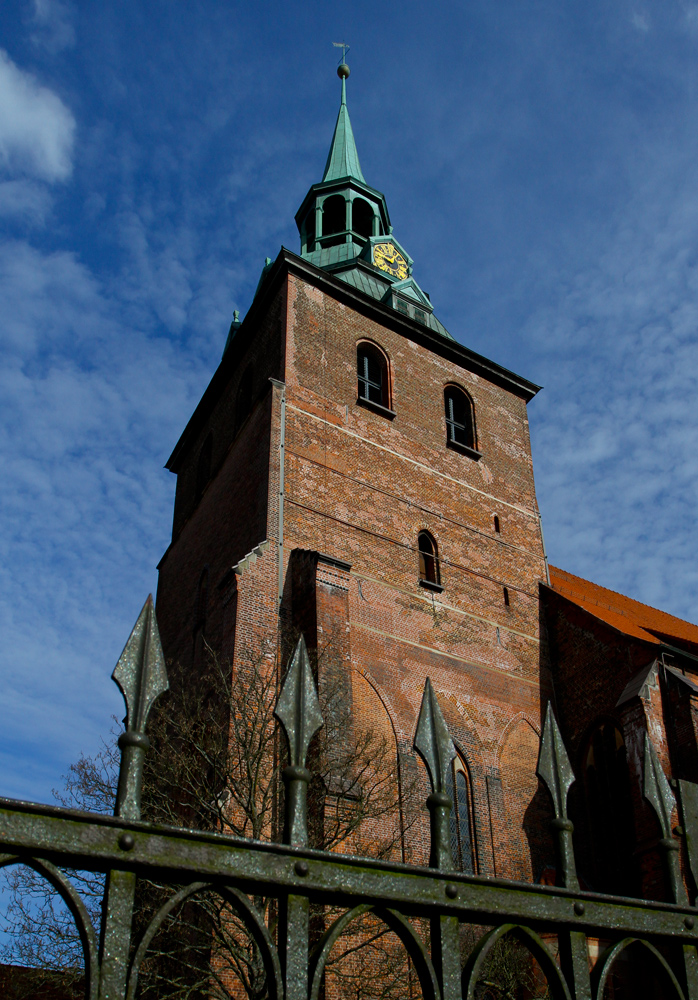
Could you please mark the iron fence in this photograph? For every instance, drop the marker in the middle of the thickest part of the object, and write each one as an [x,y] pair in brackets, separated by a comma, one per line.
[295,877]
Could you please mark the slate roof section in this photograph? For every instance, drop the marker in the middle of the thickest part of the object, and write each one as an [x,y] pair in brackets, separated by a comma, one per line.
[328,256]
[632,618]
[365,282]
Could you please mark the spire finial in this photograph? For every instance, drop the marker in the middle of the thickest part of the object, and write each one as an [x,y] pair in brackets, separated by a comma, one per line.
[343,70]
[343,160]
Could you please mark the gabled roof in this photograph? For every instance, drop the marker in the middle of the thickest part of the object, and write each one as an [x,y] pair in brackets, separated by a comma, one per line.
[343,159]
[640,621]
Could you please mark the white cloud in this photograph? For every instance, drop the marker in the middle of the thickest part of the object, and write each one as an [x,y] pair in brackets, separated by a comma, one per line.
[36,127]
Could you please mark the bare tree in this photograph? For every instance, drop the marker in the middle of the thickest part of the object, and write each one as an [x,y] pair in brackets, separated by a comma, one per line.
[41,946]
[214,762]
[510,971]
[229,754]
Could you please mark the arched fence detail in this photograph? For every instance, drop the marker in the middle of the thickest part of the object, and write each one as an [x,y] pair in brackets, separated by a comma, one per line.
[605,964]
[248,913]
[73,900]
[396,922]
[291,875]
[483,949]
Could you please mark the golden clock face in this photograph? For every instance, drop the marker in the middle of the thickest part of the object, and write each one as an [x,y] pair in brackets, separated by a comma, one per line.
[388,258]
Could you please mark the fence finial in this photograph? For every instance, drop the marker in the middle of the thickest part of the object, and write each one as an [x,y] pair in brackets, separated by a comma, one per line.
[142,677]
[555,771]
[657,790]
[298,711]
[433,743]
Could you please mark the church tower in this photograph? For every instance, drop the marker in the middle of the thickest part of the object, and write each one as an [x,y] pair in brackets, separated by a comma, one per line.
[354,473]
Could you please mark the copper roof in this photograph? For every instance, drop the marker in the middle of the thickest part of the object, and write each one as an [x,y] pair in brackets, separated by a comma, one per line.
[623,613]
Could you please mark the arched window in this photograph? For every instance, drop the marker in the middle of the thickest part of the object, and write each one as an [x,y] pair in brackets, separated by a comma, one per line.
[243,402]
[462,840]
[460,421]
[362,217]
[428,560]
[334,215]
[309,226]
[610,816]
[372,372]
[203,466]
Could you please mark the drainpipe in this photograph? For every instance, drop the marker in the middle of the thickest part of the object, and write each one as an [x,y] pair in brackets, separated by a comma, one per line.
[545,554]
[282,445]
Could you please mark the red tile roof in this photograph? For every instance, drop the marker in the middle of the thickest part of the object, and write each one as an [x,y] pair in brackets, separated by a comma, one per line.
[623,613]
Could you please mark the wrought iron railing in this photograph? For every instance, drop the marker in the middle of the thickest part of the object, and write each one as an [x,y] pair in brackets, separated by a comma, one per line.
[51,839]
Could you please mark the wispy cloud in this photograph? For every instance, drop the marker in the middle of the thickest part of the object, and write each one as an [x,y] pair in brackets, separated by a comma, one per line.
[514,159]
[24,199]
[640,20]
[620,349]
[52,25]
[36,127]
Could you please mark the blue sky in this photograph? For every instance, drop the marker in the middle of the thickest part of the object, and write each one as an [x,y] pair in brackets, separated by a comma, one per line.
[539,161]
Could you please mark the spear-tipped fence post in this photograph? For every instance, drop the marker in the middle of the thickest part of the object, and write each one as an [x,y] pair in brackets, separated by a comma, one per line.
[555,771]
[142,677]
[433,743]
[298,711]
[657,791]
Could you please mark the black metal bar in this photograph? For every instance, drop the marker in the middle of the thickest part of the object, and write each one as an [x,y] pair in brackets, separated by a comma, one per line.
[98,843]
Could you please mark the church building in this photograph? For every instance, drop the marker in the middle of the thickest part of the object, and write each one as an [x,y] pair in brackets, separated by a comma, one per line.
[353,473]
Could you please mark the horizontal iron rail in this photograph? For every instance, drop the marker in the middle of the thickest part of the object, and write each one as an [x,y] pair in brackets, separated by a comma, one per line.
[99,843]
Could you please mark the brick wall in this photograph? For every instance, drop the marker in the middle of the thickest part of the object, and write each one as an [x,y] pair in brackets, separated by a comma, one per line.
[358,489]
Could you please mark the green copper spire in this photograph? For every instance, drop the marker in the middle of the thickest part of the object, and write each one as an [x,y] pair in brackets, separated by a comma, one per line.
[343,160]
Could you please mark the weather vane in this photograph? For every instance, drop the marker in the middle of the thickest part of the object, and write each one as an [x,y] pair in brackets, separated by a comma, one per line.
[344,47]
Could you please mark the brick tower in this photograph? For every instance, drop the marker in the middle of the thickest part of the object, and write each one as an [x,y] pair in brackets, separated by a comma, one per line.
[355,473]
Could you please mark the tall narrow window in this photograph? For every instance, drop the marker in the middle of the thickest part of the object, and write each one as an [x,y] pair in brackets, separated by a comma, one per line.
[310,231]
[460,424]
[334,215]
[200,613]
[610,811]
[462,843]
[203,467]
[362,217]
[372,371]
[243,402]
[428,560]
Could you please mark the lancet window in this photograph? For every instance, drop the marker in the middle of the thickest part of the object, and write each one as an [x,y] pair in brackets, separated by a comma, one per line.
[429,571]
[462,839]
[460,419]
[372,371]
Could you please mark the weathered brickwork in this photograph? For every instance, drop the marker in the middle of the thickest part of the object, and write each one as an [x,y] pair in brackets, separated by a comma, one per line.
[217,529]
[359,486]
[298,511]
